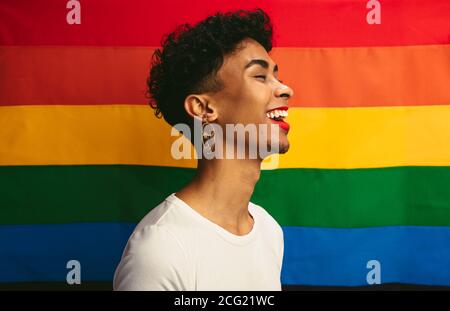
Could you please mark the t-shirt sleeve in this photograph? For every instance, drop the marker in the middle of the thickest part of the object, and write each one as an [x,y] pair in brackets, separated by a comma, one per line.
[153,260]
[281,235]
[277,235]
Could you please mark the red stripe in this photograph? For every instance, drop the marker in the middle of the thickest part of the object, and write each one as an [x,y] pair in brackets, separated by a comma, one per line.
[326,23]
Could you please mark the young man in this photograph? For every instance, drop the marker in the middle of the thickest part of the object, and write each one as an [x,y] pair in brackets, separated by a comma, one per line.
[208,235]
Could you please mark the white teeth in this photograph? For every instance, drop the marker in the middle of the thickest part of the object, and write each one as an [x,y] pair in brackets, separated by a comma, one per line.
[277,113]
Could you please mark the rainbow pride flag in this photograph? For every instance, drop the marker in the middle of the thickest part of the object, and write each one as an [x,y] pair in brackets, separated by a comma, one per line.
[363,195]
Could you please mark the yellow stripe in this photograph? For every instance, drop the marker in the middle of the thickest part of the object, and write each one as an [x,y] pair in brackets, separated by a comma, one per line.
[85,134]
[130,134]
[369,137]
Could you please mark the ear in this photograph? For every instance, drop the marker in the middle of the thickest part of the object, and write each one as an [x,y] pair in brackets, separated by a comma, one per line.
[200,106]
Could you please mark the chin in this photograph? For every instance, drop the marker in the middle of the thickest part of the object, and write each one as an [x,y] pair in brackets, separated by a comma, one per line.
[283,144]
[284,148]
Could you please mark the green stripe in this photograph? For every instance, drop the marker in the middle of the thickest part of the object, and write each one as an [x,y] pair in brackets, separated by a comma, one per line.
[295,197]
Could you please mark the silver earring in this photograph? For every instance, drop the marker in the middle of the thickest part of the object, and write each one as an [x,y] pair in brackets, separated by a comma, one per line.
[208,139]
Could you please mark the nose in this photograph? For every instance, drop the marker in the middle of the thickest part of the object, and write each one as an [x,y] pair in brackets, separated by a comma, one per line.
[282,90]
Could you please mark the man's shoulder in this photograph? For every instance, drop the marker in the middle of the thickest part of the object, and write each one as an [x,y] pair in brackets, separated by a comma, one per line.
[164,222]
[155,216]
[263,212]
[166,214]
[268,220]
[154,259]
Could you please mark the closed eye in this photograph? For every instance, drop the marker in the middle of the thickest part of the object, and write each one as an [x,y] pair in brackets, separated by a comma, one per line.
[264,78]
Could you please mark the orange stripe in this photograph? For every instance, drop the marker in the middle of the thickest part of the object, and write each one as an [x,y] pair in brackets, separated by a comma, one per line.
[367,76]
[320,77]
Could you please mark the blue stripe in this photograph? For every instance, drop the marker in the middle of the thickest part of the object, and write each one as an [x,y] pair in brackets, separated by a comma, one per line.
[313,256]
[326,256]
[41,252]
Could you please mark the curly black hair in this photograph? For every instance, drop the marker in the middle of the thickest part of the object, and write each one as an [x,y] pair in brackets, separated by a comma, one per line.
[191,56]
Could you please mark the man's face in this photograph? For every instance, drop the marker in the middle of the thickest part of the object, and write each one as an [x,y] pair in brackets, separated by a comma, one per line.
[251,91]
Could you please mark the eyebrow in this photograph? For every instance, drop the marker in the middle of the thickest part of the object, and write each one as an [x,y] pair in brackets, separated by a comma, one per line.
[263,63]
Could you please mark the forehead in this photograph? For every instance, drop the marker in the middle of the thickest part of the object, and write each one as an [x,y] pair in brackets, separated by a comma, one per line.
[246,51]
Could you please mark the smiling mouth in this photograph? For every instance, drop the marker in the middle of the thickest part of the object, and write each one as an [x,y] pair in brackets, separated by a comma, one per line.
[277,116]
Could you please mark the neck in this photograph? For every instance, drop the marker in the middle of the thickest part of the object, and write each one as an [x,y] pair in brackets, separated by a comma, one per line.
[221,191]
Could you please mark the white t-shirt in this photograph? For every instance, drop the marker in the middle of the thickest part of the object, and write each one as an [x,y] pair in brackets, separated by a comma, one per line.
[176,248]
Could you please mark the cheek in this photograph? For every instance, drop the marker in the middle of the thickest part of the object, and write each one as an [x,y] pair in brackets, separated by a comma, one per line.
[245,104]
[254,104]
[260,92]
